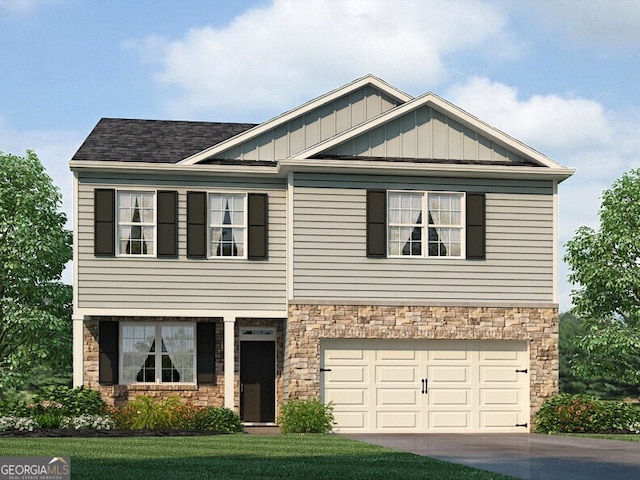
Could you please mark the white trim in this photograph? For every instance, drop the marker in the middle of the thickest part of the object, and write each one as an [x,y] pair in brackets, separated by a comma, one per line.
[78,352]
[290,232]
[417,302]
[556,258]
[297,112]
[76,254]
[147,312]
[158,352]
[286,166]
[229,361]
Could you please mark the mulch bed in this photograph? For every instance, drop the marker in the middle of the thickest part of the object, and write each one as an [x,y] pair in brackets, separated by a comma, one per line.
[88,433]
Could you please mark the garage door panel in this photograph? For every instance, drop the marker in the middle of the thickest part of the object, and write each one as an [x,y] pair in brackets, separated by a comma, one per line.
[445,352]
[491,373]
[405,420]
[397,354]
[500,419]
[450,420]
[351,420]
[387,374]
[343,354]
[448,374]
[449,397]
[351,396]
[347,374]
[501,397]
[401,396]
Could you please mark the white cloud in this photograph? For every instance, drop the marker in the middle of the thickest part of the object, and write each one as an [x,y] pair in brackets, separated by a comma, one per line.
[269,59]
[24,7]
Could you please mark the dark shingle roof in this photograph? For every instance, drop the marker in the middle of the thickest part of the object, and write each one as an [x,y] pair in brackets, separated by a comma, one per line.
[155,141]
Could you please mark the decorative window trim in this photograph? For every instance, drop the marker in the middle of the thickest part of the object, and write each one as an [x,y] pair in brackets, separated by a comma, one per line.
[158,352]
[425,226]
[153,224]
[222,225]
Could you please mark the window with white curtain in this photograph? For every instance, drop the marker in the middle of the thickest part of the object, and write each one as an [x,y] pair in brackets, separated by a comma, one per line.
[136,223]
[227,225]
[425,224]
[158,353]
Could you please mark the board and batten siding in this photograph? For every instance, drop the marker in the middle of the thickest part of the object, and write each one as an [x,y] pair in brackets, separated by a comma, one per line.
[315,126]
[330,263]
[184,284]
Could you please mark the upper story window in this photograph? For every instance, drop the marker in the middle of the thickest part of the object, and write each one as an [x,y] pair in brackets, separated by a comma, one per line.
[425,224]
[158,353]
[136,223]
[227,225]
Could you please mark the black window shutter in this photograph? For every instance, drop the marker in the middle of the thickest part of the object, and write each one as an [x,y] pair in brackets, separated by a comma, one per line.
[258,231]
[196,225]
[167,224]
[108,348]
[206,356]
[376,223]
[476,226]
[104,231]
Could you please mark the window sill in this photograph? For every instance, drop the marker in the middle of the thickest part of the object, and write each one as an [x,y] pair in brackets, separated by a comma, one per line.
[155,387]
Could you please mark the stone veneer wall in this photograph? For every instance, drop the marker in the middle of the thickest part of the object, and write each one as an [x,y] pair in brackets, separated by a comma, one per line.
[308,324]
[200,395]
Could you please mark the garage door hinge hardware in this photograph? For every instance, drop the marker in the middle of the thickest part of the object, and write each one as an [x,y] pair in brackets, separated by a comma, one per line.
[522,371]
[325,369]
[522,425]
[425,386]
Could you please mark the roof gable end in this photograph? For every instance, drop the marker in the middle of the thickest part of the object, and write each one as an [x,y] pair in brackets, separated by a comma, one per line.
[300,128]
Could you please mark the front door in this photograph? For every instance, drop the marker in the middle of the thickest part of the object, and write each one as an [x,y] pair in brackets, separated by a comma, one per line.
[257,381]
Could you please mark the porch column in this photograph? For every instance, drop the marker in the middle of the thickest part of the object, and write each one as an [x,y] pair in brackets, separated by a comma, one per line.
[229,362]
[78,352]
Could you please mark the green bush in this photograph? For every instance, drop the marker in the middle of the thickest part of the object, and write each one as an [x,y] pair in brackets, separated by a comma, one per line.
[75,401]
[567,413]
[306,416]
[218,419]
[147,413]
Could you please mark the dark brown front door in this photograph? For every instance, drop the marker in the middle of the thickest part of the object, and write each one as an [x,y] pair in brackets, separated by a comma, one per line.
[258,381]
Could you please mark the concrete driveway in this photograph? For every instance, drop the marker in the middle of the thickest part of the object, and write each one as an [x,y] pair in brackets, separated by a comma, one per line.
[528,456]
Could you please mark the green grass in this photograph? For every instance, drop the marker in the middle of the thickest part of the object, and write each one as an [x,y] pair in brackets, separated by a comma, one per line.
[604,436]
[237,457]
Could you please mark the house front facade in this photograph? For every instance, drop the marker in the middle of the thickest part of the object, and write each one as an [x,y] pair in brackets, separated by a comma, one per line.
[393,255]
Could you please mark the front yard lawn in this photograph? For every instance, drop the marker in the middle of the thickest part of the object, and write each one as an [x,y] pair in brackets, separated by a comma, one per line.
[237,457]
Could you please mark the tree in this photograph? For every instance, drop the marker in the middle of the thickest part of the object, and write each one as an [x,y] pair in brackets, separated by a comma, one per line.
[35,306]
[605,266]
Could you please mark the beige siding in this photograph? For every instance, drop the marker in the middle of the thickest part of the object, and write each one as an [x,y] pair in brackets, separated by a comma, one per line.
[425,133]
[315,126]
[181,283]
[330,245]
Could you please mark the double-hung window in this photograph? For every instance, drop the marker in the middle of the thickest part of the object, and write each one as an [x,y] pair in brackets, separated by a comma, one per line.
[227,225]
[426,224]
[136,229]
[158,353]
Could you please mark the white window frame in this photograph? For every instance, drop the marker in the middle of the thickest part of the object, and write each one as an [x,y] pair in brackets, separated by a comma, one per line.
[425,224]
[153,224]
[158,352]
[244,226]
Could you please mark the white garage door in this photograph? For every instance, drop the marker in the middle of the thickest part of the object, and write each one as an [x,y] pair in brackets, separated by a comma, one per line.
[426,386]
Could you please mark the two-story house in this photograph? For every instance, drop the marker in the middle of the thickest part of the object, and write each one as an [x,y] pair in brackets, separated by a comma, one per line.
[393,255]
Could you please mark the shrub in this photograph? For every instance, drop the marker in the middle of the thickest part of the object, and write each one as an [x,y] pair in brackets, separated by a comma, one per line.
[46,413]
[17,423]
[306,416]
[87,422]
[218,419]
[14,408]
[149,413]
[567,413]
[75,401]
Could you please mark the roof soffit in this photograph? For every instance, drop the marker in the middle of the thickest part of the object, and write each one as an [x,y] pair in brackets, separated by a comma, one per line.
[367,80]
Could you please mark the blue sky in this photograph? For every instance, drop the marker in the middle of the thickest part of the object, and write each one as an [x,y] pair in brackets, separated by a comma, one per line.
[560,75]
